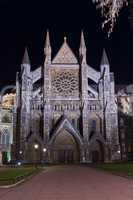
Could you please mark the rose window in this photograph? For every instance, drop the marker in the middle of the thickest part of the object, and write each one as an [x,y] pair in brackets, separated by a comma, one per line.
[65,83]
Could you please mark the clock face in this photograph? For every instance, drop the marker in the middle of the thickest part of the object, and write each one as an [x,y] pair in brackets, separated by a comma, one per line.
[65,83]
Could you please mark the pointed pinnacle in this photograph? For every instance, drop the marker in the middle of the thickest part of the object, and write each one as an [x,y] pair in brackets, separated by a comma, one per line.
[82,48]
[17,76]
[47,43]
[65,39]
[47,48]
[26,59]
[104,60]
[82,42]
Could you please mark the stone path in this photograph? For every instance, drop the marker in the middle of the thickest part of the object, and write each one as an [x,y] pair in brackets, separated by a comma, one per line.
[71,183]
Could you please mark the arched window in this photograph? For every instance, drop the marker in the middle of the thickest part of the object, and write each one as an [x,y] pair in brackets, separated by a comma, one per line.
[3,140]
[5,136]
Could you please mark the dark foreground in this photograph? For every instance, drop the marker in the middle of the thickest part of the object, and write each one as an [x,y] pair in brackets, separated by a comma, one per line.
[71,183]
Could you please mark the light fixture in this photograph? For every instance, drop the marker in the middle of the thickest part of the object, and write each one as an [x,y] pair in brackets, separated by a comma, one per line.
[44,149]
[20,152]
[36,146]
[19,163]
[118,151]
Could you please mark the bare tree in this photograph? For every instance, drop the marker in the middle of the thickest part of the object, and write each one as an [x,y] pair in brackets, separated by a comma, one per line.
[110,10]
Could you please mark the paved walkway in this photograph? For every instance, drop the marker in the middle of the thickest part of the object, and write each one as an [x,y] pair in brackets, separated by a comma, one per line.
[71,183]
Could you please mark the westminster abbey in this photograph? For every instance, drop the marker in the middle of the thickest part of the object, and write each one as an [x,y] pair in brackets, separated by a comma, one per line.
[66,111]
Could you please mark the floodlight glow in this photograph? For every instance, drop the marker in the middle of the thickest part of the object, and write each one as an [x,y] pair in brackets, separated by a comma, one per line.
[20,152]
[44,149]
[36,146]
[19,163]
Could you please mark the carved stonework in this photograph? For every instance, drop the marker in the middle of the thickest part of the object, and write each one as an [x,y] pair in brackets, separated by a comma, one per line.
[68,104]
[65,55]
[65,82]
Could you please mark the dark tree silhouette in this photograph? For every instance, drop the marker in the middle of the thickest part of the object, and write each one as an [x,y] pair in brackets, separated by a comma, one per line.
[110,10]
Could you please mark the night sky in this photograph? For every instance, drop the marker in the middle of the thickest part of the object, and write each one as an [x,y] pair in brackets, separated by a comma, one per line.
[25,24]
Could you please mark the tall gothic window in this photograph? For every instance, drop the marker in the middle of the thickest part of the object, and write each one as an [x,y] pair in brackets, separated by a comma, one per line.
[7,138]
[4,136]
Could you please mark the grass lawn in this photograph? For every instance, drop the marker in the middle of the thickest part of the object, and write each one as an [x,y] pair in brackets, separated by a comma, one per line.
[118,168]
[13,175]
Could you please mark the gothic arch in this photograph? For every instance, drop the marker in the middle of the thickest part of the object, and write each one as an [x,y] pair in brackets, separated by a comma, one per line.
[97,146]
[67,125]
[65,144]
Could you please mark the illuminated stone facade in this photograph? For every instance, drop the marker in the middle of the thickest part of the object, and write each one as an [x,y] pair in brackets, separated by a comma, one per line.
[66,107]
[6,127]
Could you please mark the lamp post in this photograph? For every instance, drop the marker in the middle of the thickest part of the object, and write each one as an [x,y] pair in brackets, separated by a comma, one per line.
[36,146]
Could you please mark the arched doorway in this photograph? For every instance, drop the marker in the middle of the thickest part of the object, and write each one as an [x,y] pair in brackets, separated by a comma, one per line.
[64,149]
[97,152]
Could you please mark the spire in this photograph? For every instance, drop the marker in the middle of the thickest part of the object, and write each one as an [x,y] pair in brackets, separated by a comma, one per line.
[82,42]
[47,48]
[82,49]
[104,60]
[26,59]
[17,90]
[17,77]
[65,39]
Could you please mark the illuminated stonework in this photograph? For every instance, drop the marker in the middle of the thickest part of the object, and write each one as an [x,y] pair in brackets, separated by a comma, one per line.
[65,83]
[6,127]
[68,109]
[8,100]
[65,55]
[57,103]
